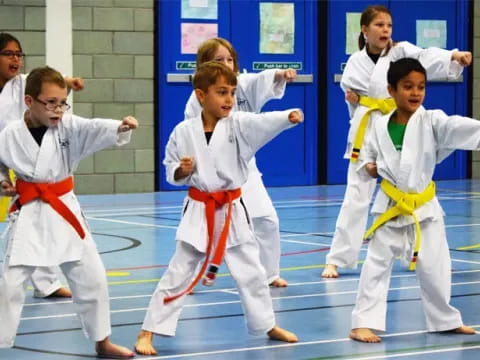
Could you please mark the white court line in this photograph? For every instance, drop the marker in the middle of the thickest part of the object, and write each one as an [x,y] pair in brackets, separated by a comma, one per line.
[307,234]
[305,283]
[315,342]
[467,261]
[461,225]
[131,223]
[285,235]
[278,204]
[304,242]
[291,297]
[433,351]
[233,292]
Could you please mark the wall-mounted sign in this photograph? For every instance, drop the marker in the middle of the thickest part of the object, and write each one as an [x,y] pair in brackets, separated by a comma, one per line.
[193,34]
[264,65]
[185,65]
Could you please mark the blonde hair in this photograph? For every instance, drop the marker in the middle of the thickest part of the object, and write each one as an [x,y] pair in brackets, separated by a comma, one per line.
[207,49]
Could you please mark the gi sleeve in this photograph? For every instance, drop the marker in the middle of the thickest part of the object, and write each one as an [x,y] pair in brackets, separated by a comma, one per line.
[172,160]
[255,130]
[261,87]
[437,62]
[87,136]
[455,132]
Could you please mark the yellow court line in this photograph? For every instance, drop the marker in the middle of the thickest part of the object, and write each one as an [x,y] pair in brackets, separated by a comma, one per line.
[117,273]
[143,281]
[475,246]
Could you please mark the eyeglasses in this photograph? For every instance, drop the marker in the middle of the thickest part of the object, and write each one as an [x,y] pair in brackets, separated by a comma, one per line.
[52,105]
[11,54]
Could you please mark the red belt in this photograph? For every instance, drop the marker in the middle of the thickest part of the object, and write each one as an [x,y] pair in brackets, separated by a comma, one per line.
[212,201]
[49,193]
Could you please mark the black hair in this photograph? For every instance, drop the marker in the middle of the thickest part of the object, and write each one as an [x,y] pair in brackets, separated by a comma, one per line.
[6,38]
[401,68]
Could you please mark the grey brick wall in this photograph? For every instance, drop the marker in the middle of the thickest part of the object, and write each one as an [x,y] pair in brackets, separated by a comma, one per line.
[113,52]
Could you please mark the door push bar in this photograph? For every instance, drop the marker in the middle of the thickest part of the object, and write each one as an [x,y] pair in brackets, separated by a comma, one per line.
[187,78]
[338,77]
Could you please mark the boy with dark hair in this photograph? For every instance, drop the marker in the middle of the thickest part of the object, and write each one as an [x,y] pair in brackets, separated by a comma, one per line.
[47,227]
[403,147]
[210,154]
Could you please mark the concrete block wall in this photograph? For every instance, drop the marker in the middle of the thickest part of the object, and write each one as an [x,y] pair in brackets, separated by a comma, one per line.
[113,47]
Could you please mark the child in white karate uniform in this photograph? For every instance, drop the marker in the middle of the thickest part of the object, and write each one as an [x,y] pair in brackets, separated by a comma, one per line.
[403,147]
[12,107]
[364,81]
[47,227]
[210,153]
[253,91]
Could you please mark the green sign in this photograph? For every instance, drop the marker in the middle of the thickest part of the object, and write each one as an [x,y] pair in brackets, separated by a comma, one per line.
[264,65]
[185,65]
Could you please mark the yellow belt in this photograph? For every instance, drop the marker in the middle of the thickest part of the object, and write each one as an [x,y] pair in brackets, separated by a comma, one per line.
[382,105]
[406,204]
[5,200]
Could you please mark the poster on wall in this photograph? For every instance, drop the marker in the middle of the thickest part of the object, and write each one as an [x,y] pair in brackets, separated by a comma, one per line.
[352,31]
[432,33]
[200,9]
[194,34]
[277,28]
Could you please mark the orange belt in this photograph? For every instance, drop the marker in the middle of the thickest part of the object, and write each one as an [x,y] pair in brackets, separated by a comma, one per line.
[49,193]
[212,201]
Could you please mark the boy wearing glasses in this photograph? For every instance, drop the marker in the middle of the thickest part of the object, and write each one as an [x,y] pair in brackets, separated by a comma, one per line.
[12,107]
[47,227]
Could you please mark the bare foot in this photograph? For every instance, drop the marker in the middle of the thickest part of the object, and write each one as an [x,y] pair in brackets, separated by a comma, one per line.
[106,349]
[62,292]
[330,271]
[277,333]
[364,335]
[467,330]
[144,345]
[279,282]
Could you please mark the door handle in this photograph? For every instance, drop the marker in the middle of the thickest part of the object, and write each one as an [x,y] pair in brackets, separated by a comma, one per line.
[187,78]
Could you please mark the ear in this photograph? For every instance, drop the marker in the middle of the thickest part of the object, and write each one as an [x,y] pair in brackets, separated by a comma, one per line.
[28,100]
[200,94]
[391,90]
[364,30]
